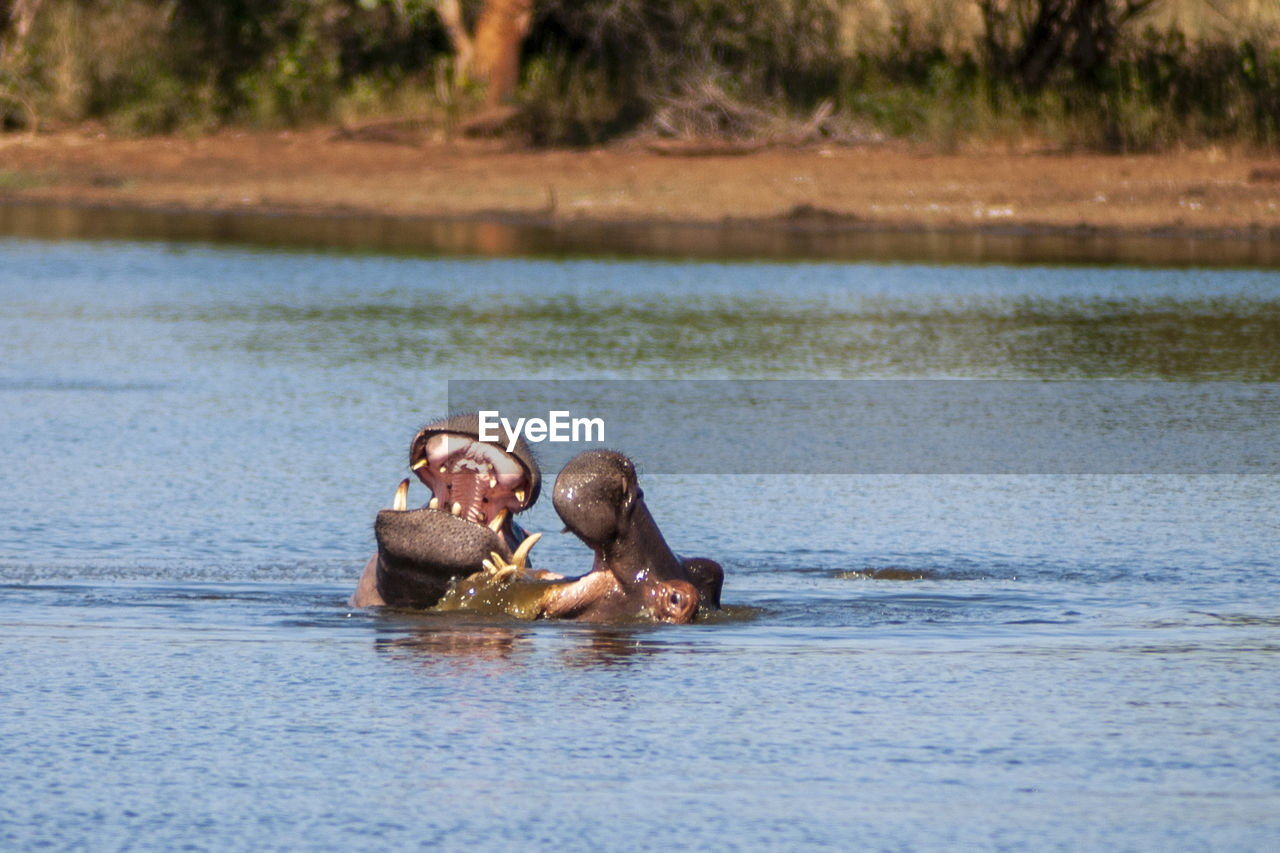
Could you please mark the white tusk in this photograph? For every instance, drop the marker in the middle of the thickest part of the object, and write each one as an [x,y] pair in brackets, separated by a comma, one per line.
[402,497]
[457,508]
[522,553]
[498,519]
[435,503]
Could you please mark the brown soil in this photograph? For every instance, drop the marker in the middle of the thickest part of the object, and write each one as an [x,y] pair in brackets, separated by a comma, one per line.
[890,186]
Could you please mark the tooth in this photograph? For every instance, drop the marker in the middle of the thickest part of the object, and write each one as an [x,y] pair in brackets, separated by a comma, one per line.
[522,553]
[457,508]
[435,503]
[520,495]
[421,462]
[498,519]
[493,482]
[402,496]
[444,470]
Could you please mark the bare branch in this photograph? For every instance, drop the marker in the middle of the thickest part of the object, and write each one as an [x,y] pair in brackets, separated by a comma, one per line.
[450,12]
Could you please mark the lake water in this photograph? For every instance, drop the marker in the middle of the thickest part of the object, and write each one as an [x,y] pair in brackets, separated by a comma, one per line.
[196,440]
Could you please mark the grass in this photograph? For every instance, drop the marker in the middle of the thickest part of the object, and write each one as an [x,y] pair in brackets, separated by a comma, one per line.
[12,181]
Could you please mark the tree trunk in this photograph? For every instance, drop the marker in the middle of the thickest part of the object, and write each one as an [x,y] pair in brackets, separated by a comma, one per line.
[492,54]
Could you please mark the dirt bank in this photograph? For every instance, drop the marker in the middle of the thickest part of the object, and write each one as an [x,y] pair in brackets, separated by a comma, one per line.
[1202,192]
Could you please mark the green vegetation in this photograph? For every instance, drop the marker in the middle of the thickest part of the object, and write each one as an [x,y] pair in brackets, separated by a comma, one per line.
[18,180]
[1100,74]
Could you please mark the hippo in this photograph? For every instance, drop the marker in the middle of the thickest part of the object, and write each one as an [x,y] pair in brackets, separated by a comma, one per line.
[599,498]
[464,551]
[477,487]
[635,575]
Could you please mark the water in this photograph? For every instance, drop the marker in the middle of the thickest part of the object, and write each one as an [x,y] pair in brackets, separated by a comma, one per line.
[196,441]
[799,236]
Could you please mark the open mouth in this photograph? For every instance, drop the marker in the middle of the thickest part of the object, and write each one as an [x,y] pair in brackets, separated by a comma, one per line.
[469,479]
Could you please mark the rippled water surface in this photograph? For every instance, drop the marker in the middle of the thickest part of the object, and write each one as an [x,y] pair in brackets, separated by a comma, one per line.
[195,442]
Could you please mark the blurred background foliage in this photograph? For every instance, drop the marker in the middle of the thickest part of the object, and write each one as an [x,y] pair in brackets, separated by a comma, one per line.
[1120,75]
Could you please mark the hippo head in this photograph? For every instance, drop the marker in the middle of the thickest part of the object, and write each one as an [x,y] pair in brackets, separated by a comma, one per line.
[476,486]
[596,495]
[600,501]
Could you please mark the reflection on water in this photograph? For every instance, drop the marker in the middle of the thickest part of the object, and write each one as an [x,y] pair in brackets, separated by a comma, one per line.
[194,442]
[452,640]
[614,647]
[517,235]
[435,641]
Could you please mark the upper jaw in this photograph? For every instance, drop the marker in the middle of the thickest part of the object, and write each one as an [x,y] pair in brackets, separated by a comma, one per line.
[511,477]
[470,478]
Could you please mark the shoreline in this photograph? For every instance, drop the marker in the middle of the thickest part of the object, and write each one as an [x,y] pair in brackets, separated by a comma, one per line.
[512,234]
[315,189]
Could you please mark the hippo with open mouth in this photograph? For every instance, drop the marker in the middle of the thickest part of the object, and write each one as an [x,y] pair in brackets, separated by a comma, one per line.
[477,488]
[463,552]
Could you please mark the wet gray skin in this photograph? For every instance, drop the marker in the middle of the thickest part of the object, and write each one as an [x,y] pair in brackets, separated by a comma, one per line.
[635,571]
[477,489]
